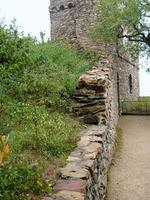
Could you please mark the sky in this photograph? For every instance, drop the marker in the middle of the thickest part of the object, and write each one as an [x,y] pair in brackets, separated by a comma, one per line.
[33,17]
[144,77]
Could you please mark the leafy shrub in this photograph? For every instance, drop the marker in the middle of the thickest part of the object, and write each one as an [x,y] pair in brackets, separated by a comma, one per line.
[36,85]
[19,178]
[30,69]
[33,75]
[49,134]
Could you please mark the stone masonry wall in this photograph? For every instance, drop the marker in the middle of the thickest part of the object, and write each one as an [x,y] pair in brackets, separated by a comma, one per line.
[126,71]
[85,175]
[97,102]
[63,19]
[71,19]
[121,67]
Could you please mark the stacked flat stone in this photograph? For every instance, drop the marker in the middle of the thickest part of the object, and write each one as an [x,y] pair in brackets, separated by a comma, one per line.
[85,175]
[72,20]
[98,99]
[91,96]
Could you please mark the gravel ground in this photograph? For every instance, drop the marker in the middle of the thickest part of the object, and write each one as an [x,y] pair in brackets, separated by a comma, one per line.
[129,177]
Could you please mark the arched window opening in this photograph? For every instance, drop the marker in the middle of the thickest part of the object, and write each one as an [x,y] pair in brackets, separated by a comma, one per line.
[130,84]
[62,7]
[70,5]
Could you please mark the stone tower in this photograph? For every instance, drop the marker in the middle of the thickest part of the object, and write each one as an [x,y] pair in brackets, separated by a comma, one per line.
[72,19]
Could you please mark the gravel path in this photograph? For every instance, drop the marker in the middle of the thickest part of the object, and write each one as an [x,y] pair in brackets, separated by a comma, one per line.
[130,173]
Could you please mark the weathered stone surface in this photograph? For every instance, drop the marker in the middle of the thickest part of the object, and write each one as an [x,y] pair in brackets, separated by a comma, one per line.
[88,164]
[72,23]
[75,170]
[77,185]
[99,94]
[95,85]
[93,147]
[96,139]
[89,156]
[77,153]
[73,159]
[85,176]
[69,195]
[85,140]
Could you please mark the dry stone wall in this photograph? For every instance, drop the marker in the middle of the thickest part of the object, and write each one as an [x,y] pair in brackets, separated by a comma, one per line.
[71,19]
[85,175]
[97,102]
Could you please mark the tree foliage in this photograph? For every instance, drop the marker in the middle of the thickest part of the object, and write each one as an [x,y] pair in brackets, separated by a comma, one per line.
[128,19]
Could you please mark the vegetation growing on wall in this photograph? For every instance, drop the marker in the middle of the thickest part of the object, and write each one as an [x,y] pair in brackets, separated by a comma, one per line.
[36,85]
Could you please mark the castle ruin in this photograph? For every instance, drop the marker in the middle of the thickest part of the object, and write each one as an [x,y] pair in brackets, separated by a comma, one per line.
[100,93]
[71,19]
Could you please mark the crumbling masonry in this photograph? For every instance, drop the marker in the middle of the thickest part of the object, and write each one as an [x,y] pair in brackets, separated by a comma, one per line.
[100,93]
[71,19]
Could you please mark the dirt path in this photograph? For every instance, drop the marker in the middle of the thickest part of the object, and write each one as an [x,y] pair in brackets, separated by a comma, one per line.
[130,175]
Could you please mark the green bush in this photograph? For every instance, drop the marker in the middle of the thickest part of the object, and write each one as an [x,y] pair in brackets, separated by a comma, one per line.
[36,85]
[49,134]
[19,178]
[34,74]
[30,70]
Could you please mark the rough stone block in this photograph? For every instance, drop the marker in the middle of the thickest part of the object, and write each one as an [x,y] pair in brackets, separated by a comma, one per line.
[69,195]
[71,185]
[75,170]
